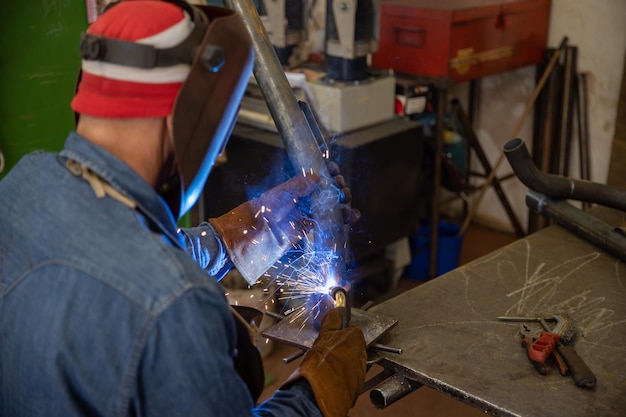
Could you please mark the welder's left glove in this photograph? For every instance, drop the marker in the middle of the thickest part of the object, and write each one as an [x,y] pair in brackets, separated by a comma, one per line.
[335,366]
[350,215]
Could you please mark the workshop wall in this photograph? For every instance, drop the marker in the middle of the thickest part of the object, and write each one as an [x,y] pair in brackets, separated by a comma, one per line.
[39,63]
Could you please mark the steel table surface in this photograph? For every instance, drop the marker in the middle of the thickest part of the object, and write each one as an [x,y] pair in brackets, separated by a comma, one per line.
[453,342]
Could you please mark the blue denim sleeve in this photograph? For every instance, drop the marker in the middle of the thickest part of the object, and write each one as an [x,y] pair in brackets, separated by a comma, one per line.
[207,249]
[299,397]
[187,369]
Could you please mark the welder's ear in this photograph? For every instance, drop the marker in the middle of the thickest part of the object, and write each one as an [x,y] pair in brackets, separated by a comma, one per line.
[169,132]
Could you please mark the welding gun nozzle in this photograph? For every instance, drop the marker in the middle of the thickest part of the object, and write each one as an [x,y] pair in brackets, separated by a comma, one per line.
[340,298]
[339,295]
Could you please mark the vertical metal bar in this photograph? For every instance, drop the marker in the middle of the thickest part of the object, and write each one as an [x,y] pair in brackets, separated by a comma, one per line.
[294,130]
[549,132]
[473,108]
[557,111]
[535,221]
[569,74]
[583,127]
[580,94]
[434,221]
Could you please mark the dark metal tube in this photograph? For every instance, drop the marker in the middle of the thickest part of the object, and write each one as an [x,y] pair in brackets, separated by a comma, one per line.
[296,135]
[586,226]
[583,127]
[543,131]
[392,390]
[567,109]
[434,214]
[559,186]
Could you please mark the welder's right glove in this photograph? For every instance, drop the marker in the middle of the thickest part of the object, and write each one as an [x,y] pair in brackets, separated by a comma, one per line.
[335,366]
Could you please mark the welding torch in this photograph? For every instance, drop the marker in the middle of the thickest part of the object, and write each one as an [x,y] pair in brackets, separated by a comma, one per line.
[335,298]
[341,302]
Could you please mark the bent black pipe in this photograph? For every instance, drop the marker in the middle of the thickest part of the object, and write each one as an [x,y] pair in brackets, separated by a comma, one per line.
[558,186]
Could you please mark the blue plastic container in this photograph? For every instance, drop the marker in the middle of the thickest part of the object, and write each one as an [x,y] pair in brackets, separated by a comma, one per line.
[449,253]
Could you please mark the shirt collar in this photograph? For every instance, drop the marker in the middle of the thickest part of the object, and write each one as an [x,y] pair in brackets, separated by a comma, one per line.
[124,179]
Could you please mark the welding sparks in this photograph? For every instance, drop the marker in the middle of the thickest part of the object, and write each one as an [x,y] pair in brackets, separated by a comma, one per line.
[304,277]
[303,281]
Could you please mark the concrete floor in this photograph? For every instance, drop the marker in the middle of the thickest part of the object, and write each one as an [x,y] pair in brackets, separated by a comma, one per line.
[477,242]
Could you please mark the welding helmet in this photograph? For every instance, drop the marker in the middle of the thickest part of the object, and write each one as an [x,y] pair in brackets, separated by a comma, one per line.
[153,58]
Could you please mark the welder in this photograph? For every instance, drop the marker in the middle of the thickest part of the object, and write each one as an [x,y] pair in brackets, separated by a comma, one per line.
[103,312]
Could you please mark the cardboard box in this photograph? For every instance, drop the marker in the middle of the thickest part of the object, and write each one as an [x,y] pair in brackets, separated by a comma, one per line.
[461,40]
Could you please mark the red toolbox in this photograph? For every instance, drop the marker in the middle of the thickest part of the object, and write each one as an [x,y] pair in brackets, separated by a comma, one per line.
[461,39]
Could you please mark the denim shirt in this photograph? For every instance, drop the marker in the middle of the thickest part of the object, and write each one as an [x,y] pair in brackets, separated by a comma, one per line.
[103,312]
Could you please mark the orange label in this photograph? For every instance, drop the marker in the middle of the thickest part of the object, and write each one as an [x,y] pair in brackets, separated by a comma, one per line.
[466,57]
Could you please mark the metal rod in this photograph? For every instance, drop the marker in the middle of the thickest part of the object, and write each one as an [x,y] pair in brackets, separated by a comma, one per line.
[367,305]
[386,348]
[567,108]
[277,316]
[433,265]
[293,356]
[296,135]
[540,111]
[542,154]
[586,226]
[559,186]
[582,111]
[583,132]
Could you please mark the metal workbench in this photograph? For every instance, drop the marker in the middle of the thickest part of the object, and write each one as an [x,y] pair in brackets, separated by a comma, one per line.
[453,342]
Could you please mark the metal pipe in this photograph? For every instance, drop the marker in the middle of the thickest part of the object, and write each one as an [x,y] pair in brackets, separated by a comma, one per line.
[586,226]
[559,186]
[433,262]
[583,126]
[392,390]
[299,142]
[567,109]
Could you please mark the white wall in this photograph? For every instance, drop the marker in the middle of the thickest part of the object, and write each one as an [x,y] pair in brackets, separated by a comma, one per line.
[598,29]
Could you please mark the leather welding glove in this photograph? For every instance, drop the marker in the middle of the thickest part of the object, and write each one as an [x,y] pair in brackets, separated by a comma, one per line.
[350,215]
[258,232]
[335,366]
